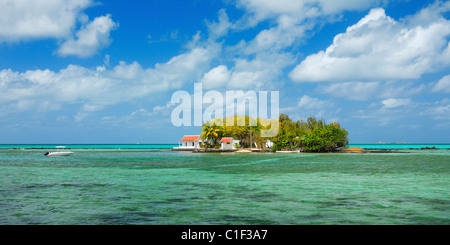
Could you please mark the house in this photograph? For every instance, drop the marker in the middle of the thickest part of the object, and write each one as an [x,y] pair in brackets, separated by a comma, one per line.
[228,143]
[190,142]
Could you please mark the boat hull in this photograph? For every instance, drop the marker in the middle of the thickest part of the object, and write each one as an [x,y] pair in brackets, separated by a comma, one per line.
[58,154]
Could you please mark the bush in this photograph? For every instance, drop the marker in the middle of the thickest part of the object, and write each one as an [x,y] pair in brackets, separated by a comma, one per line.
[325,138]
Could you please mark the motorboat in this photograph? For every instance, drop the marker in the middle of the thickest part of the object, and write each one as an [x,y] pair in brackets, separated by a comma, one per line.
[59,152]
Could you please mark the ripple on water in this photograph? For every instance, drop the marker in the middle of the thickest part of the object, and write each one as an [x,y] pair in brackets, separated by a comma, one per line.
[98,187]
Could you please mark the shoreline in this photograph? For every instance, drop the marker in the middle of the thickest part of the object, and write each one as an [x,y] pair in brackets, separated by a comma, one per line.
[362,151]
[245,150]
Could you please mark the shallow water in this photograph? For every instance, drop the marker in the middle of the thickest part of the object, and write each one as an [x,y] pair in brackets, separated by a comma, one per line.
[165,187]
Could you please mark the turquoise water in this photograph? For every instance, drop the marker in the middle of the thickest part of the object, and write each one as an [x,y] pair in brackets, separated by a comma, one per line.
[400,146]
[158,186]
[169,146]
[92,146]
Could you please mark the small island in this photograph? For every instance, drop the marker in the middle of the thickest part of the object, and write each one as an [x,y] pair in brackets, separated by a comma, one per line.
[311,135]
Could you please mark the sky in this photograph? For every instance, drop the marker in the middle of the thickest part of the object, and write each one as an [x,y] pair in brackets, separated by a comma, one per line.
[104,72]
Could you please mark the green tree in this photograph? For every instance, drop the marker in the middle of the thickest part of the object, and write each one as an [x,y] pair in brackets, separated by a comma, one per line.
[212,133]
[325,138]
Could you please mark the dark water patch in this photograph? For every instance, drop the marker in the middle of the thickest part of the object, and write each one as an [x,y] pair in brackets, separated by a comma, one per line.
[84,185]
[414,218]
[59,185]
[422,220]
[26,219]
[263,196]
[129,218]
[189,187]
[34,188]
[327,219]
[237,220]
[176,200]
[433,203]
[52,185]
[337,204]
[118,199]
[350,202]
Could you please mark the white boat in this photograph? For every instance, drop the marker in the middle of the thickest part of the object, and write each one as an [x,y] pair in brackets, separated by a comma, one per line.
[59,152]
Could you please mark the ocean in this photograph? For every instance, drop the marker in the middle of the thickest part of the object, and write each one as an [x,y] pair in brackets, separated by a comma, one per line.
[170,146]
[151,185]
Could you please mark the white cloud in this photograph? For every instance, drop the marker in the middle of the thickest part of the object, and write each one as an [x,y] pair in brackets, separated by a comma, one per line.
[428,15]
[309,106]
[220,28]
[379,48]
[90,38]
[261,72]
[338,6]
[282,36]
[258,10]
[368,90]
[25,20]
[308,102]
[393,103]
[32,19]
[443,85]
[261,60]
[293,19]
[351,90]
[96,88]
[246,79]
[216,77]
[388,112]
[439,110]
[392,89]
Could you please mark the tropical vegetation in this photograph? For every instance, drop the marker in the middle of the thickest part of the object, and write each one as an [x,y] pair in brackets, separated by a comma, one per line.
[311,135]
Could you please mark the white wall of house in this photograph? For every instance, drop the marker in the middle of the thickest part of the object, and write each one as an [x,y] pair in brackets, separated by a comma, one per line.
[229,145]
[190,144]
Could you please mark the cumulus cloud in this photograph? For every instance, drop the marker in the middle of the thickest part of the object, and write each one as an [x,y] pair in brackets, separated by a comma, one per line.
[307,102]
[261,59]
[90,38]
[259,10]
[368,90]
[380,48]
[440,110]
[393,103]
[220,28]
[35,19]
[216,77]
[406,111]
[443,85]
[351,90]
[100,87]
[263,71]
[27,20]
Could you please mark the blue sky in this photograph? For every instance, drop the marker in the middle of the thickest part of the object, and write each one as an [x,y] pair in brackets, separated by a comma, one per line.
[87,71]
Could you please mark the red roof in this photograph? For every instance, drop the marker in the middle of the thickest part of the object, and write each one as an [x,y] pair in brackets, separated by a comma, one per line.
[225,140]
[190,138]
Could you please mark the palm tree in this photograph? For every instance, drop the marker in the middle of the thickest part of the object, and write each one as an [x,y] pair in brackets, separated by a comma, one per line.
[211,132]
